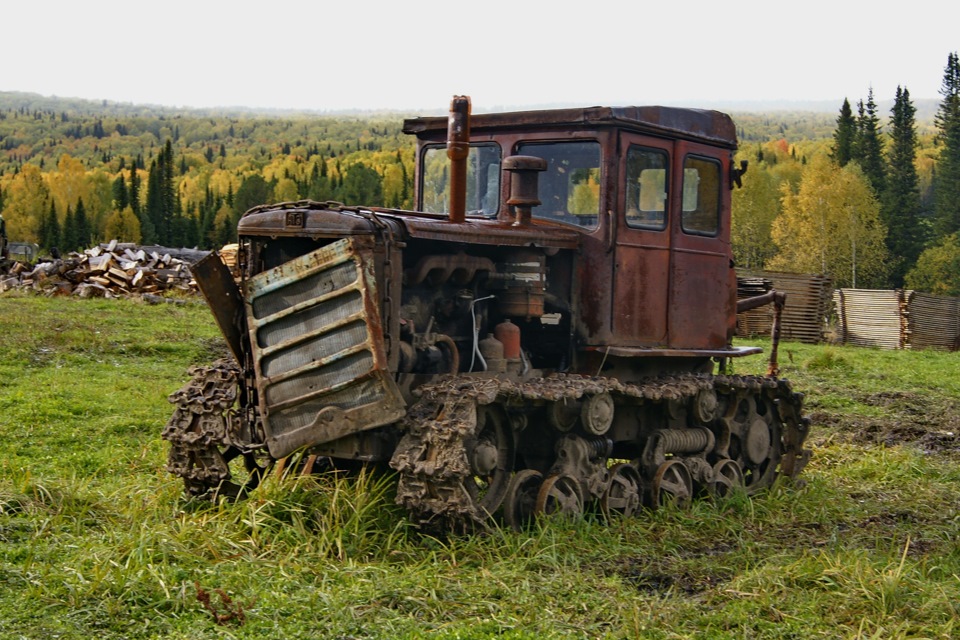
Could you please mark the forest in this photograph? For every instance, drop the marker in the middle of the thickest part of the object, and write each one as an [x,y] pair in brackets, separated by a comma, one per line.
[870,199]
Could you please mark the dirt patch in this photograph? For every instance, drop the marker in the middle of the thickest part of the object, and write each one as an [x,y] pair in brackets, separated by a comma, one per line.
[929,440]
[663,575]
[684,583]
[908,419]
[898,399]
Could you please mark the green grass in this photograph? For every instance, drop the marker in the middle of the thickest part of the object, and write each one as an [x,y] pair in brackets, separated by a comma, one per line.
[96,539]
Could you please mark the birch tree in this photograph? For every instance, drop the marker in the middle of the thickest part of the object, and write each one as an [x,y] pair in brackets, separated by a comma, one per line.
[832,226]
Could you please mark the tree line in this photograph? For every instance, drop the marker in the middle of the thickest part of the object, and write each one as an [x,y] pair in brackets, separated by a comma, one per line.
[868,200]
[73,176]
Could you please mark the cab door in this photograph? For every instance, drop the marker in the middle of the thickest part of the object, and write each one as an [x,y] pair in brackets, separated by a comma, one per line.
[642,244]
[700,298]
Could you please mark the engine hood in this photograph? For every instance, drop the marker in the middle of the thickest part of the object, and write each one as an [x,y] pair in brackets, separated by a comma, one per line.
[334,220]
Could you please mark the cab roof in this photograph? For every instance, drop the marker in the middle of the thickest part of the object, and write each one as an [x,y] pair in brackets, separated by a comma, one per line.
[712,127]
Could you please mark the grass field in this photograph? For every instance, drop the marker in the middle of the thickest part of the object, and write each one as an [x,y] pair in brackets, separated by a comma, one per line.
[96,540]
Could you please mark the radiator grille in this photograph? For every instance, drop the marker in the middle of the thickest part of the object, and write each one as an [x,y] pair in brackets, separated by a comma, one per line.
[317,343]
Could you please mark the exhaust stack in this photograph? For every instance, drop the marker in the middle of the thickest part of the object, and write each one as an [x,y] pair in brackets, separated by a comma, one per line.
[458,148]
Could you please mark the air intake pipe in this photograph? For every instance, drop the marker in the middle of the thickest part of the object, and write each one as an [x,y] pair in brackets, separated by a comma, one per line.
[524,185]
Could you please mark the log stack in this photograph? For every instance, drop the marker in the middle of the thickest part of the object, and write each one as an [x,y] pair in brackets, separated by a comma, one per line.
[933,322]
[808,303]
[898,319]
[871,317]
[108,270]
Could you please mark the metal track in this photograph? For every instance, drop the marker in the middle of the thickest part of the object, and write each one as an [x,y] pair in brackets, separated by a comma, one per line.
[448,435]
[433,459]
[204,434]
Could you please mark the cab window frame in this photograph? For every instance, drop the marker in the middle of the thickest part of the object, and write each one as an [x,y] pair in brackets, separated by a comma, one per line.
[695,218]
[595,174]
[440,201]
[637,190]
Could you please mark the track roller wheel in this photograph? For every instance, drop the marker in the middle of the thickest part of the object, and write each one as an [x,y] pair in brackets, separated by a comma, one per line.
[727,478]
[560,495]
[672,484]
[521,502]
[624,494]
[759,442]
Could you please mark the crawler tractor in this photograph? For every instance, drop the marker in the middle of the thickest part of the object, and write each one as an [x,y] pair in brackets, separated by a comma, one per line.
[549,332]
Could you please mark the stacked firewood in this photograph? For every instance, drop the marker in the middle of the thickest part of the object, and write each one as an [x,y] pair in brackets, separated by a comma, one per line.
[108,270]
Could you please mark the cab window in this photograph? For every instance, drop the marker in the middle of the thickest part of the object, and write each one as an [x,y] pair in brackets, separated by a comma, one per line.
[570,187]
[646,188]
[701,196]
[483,180]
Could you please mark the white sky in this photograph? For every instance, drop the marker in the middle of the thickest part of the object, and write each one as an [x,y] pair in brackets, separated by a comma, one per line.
[417,54]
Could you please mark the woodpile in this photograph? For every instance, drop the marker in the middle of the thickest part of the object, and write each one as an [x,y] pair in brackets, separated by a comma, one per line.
[898,319]
[870,317]
[108,270]
[756,322]
[804,315]
[933,322]
[228,253]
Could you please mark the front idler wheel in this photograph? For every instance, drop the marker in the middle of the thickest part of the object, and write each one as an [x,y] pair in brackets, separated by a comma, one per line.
[490,455]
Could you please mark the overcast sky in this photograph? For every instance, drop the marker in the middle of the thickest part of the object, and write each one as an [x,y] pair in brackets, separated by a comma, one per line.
[416,55]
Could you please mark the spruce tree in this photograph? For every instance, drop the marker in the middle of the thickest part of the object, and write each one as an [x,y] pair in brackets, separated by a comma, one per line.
[843,136]
[120,197]
[50,228]
[69,235]
[133,194]
[154,206]
[167,193]
[901,207]
[82,225]
[947,178]
[868,150]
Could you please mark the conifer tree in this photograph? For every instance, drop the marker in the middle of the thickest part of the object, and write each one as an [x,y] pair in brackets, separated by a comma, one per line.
[153,208]
[133,194]
[161,197]
[69,235]
[50,229]
[82,226]
[947,179]
[843,137]
[868,150]
[168,193]
[901,207]
[120,197]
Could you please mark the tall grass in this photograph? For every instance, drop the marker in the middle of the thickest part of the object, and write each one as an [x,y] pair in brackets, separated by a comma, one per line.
[97,540]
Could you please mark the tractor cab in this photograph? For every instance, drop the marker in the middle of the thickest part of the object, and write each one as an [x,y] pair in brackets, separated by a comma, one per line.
[647,189]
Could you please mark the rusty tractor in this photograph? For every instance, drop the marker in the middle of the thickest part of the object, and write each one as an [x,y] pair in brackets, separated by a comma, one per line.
[548,332]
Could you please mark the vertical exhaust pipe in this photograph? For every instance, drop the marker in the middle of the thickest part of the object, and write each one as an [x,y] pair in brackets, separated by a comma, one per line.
[458,148]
